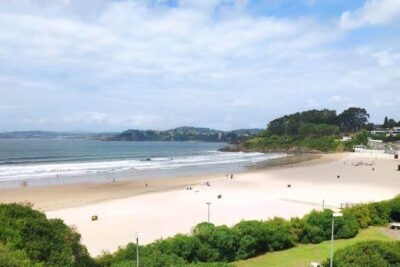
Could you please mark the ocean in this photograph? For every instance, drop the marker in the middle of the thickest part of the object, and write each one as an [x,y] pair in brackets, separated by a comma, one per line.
[62,161]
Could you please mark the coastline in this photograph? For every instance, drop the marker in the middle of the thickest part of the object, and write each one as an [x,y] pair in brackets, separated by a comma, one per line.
[47,197]
[166,207]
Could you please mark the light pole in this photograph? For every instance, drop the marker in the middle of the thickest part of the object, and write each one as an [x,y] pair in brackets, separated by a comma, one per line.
[334,215]
[208,218]
[138,234]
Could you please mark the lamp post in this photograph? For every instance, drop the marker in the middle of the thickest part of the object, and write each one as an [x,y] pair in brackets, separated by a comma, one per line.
[138,234]
[208,217]
[334,215]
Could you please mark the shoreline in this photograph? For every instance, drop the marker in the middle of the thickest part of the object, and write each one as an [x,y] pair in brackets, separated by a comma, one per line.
[169,208]
[47,197]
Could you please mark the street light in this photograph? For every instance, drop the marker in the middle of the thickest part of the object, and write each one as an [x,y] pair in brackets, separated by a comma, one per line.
[208,218]
[334,215]
[137,234]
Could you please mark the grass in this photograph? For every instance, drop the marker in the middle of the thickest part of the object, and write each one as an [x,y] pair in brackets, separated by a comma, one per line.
[303,255]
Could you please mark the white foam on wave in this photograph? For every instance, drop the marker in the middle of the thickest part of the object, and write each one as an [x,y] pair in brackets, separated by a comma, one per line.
[40,171]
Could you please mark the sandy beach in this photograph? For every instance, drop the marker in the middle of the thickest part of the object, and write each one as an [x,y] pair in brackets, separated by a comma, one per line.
[165,207]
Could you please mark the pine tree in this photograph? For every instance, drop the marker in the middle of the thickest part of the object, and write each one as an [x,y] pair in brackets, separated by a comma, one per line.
[385,123]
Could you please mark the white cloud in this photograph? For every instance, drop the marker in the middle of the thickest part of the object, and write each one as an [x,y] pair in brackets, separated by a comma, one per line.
[386,57]
[132,64]
[338,98]
[374,12]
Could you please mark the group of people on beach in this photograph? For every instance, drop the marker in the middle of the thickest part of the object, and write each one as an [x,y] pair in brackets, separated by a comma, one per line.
[229,176]
[362,163]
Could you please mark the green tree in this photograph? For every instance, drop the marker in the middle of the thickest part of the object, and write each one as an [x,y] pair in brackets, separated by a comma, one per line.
[391,123]
[385,122]
[290,124]
[361,138]
[353,119]
[318,130]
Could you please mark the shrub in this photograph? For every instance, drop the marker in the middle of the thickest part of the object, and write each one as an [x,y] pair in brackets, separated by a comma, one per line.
[183,246]
[45,241]
[362,214]
[258,237]
[220,242]
[394,206]
[252,236]
[296,229]
[346,226]
[380,213]
[368,254]
[318,225]
[15,258]
[278,234]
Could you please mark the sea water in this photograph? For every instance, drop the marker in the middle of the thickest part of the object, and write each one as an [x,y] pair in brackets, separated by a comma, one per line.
[60,161]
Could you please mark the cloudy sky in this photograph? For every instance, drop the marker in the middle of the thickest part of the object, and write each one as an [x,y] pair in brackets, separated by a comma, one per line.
[103,65]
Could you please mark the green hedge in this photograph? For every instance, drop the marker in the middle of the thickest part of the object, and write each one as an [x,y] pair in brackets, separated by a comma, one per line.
[376,213]
[210,243]
[368,254]
[27,238]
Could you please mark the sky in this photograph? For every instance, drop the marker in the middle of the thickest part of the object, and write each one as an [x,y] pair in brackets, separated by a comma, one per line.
[111,65]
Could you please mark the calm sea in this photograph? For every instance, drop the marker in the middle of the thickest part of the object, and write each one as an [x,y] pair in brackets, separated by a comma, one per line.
[54,161]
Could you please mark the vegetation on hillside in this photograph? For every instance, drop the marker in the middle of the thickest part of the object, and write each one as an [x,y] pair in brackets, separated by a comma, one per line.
[186,134]
[312,130]
[390,123]
[27,238]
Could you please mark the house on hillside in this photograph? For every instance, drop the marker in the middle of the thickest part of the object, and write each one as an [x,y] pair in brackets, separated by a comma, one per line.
[379,131]
[394,131]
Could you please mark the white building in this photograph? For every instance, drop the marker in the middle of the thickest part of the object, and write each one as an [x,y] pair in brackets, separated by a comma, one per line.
[394,131]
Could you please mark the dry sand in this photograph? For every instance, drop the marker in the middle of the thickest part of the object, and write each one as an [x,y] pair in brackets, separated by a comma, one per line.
[258,194]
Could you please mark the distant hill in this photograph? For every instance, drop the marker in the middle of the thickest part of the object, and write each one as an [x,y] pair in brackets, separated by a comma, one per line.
[186,133]
[49,134]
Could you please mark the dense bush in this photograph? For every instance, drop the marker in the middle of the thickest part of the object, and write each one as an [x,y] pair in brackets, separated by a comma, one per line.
[368,254]
[394,207]
[318,130]
[15,258]
[376,213]
[257,237]
[324,143]
[27,238]
[317,226]
[209,243]
[49,242]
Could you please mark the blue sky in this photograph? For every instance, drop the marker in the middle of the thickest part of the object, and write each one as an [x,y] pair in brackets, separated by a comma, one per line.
[99,65]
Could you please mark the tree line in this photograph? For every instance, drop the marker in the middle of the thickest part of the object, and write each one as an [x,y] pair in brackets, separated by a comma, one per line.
[319,122]
[390,123]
